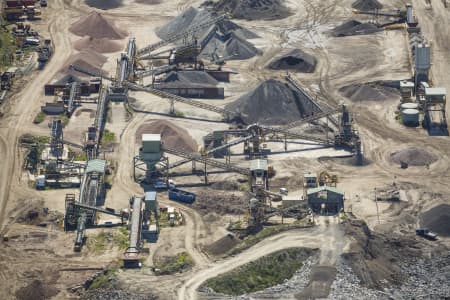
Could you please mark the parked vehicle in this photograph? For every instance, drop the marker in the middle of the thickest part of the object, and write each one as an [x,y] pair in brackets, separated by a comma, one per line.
[43,3]
[426,233]
[182,196]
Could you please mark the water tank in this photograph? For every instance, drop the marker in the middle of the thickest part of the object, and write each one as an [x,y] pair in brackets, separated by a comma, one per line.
[410,117]
[409,105]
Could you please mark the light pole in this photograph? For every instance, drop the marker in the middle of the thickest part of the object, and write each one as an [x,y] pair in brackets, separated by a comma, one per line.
[376,203]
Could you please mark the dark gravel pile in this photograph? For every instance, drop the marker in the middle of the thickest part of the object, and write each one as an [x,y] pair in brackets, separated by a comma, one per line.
[97,26]
[104,4]
[370,91]
[251,9]
[296,60]
[354,27]
[413,156]
[272,103]
[367,4]
[437,219]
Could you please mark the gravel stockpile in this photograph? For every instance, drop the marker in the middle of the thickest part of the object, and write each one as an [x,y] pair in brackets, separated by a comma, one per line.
[228,41]
[272,103]
[104,4]
[367,4]
[296,60]
[354,27]
[251,9]
[172,135]
[413,156]
[369,92]
[437,219]
[98,45]
[192,78]
[149,2]
[97,26]
[86,59]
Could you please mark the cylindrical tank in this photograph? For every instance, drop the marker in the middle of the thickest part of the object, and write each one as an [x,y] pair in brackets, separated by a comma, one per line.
[422,59]
[410,117]
[409,105]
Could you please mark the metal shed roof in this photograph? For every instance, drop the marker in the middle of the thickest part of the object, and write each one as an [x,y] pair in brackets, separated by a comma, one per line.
[151,137]
[258,164]
[324,188]
[96,165]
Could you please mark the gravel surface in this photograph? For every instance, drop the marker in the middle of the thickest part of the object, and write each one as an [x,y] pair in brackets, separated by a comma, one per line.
[414,156]
[367,4]
[437,219]
[97,26]
[252,9]
[354,27]
[102,45]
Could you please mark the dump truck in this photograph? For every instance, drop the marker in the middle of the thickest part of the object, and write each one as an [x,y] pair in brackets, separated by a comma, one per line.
[426,233]
[181,196]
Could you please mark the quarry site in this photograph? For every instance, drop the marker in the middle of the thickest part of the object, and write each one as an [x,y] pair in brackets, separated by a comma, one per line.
[224,149]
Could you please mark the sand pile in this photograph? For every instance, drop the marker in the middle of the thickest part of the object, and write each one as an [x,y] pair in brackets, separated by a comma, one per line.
[97,26]
[251,9]
[104,4]
[296,60]
[172,135]
[86,59]
[367,4]
[413,156]
[437,219]
[354,27]
[370,91]
[272,103]
[222,245]
[227,40]
[98,45]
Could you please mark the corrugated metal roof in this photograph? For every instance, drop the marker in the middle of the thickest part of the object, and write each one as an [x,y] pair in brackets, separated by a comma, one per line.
[258,164]
[151,137]
[324,188]
[96,165]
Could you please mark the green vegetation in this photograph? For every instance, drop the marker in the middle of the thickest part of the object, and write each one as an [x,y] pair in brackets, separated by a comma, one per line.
[7,48]
[174,264]
[64,119]
[40,117]
[179,114]
[79,156]
[98,243]
[120,238]
[108,137]
[32,139]
[102,281]
[260,274]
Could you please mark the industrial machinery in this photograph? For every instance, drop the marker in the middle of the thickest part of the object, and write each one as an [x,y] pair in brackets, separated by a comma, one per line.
[406,15]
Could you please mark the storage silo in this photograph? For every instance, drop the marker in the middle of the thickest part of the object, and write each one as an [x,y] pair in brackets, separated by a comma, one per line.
[409,105]
[410,117]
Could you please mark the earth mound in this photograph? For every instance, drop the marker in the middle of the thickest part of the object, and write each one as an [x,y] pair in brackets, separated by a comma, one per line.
[102,45]
[296,60]
[354,27]
[367,5]
[97,26]
[414,156]
[88,60]
[251,9]
[273,103]
[437,219]
[172,136]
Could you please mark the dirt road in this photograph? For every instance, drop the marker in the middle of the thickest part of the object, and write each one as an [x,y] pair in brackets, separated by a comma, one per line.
[326,236]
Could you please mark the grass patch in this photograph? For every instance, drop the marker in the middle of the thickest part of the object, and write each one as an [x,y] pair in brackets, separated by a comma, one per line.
[108,137]
[64,119]
[120,238]
[7,48]
[40,117]
[79,156]
[179,114]
[174,264]
[260,274]
[33,139]
[102,281]
[98,243]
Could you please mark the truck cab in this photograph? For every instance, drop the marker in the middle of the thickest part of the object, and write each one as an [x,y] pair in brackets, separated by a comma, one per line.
[426,233]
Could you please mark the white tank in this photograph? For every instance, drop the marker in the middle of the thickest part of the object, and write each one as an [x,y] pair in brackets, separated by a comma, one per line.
[409,105]
[410,117]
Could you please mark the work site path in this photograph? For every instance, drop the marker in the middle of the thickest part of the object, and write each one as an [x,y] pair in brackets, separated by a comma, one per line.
[319,237]
[25,104]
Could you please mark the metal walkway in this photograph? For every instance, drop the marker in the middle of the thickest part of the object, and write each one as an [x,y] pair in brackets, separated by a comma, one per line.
[72,96]
[179,36]
[227,113]
[212,162]
[296,85]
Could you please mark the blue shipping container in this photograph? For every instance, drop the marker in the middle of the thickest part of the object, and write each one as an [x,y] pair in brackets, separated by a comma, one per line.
[182,196]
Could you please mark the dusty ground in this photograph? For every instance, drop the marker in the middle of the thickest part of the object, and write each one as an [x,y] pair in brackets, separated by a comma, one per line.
[46,253]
